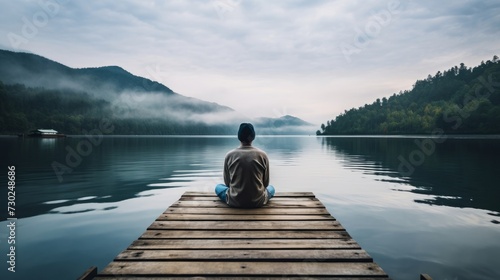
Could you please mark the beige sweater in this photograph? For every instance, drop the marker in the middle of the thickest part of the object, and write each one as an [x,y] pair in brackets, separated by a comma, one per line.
[246,173]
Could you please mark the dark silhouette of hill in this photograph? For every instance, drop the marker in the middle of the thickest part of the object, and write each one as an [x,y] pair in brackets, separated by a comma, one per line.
[36,71]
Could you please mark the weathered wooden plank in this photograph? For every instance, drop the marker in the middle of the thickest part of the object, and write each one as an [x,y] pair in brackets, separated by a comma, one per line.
[333,255]
[247,225]
[232,217]
[272,203]
[218,277]
[277,194]
[226,244]
[282,269]
[236,234]
[256,211]
[215,198]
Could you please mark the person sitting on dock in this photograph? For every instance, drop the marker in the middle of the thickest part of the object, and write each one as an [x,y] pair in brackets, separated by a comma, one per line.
[246,174]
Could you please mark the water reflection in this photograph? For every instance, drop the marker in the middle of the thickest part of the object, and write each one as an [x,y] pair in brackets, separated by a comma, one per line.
[188,178]
[117,169]
[459,172]
[125,182]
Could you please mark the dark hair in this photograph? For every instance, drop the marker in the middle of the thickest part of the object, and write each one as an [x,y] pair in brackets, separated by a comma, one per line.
[246,133]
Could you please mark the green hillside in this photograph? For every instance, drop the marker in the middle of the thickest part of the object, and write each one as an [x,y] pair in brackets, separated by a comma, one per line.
[460,100]
[23,109]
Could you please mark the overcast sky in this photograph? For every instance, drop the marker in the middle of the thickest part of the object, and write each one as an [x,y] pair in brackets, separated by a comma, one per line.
[311,59]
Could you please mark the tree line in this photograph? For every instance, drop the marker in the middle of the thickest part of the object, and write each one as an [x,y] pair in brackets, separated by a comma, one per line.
[74,112]
[460,100]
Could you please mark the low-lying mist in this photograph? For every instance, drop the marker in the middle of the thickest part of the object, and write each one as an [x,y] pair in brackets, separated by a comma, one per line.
[176,107]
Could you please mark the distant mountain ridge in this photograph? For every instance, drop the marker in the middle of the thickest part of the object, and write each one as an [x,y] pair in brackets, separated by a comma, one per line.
[137,105]
[33,70]
[284,120]
[285,125]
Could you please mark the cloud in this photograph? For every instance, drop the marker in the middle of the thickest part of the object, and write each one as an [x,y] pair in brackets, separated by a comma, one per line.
[268,54]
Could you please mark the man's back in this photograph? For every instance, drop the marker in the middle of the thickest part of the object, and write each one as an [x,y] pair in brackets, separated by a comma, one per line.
[246,173]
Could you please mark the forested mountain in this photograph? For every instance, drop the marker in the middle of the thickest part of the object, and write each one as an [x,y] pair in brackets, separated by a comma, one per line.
[458,100]
[36,92]
[71,112]
[33,70]
[286,125]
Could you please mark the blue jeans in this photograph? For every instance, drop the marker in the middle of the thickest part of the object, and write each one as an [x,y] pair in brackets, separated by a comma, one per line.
[221,192]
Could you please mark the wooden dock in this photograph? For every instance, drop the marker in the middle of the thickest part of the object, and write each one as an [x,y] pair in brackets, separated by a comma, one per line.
[294,236]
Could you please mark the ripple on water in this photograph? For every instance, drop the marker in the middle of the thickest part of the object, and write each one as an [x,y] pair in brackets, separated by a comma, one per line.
[56,201]
[86,198]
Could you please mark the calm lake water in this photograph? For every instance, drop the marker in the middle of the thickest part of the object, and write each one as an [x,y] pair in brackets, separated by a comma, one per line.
[417,205]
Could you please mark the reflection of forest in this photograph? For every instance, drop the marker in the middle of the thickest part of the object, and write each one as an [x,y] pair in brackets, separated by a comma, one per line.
[458,173]
[118,169]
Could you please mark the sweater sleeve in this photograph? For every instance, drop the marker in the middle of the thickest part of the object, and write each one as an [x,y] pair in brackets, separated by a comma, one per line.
[227,178]
[266,172]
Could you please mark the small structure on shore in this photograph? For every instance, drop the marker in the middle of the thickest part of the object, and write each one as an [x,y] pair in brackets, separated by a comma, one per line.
[44,133]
